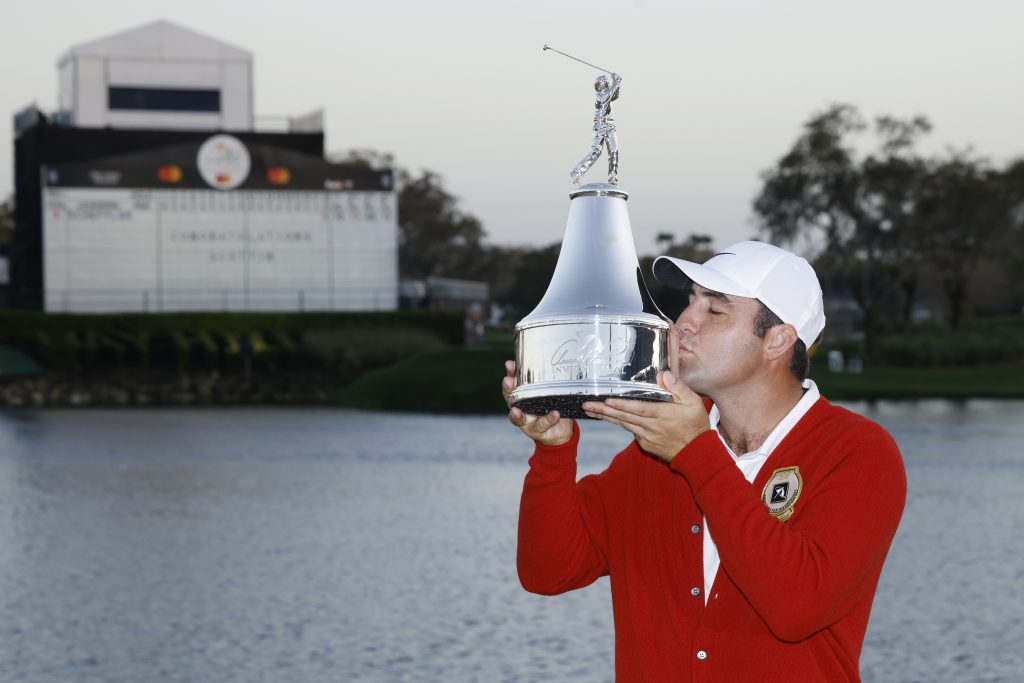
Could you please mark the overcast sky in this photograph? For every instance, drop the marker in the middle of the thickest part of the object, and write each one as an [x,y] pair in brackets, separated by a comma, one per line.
[713,92]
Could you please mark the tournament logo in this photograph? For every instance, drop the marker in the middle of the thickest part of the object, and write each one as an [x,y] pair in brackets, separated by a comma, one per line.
[223,162]
[781,492]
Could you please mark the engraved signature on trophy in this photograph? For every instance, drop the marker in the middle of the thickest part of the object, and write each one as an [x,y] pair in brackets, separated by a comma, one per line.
[588,354]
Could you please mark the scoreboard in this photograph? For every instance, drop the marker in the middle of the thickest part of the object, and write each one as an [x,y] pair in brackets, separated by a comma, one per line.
[218,225]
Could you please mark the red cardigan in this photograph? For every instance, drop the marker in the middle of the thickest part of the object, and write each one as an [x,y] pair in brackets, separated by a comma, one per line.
[791,599]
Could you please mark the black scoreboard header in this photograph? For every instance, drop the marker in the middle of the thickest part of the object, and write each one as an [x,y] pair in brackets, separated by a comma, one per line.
[220,161]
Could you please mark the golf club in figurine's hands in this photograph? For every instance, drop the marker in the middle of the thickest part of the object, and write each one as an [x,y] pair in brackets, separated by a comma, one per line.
[597,332]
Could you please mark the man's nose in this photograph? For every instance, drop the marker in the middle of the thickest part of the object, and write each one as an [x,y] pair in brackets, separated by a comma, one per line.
[687,320]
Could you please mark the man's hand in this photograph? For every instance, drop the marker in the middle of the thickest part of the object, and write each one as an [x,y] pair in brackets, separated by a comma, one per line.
[661,428]
[548,430]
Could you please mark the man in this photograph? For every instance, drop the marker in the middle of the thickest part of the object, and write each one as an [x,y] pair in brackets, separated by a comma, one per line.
[744,533]
[604,131]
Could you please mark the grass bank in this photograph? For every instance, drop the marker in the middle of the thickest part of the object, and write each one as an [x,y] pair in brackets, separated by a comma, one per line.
[446,381]
[878,382]
[467,381]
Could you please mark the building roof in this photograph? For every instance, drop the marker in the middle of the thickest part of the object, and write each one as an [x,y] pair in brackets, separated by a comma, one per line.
[159,40]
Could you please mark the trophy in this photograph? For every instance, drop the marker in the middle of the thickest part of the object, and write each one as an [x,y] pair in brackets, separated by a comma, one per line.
[597,332]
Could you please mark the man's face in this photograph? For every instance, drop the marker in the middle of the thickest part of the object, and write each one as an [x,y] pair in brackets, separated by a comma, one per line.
[715,344]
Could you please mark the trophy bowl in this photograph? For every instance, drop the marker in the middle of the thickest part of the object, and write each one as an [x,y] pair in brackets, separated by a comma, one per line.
[561,363]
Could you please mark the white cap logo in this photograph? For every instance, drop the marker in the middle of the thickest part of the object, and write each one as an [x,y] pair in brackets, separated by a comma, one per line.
[223,162]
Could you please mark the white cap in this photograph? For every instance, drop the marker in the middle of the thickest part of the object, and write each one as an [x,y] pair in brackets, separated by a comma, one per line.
[781,280]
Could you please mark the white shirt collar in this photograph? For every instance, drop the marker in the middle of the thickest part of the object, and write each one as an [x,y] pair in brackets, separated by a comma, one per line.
[811,395]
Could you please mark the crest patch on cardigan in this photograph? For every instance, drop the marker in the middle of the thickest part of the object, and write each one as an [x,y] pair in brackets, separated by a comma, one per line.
[781,492]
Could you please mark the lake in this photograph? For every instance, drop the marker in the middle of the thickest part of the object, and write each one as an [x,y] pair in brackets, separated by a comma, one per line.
[334,545]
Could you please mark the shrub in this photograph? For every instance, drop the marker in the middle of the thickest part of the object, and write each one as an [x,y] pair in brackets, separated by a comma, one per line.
[977,345]
[344,342]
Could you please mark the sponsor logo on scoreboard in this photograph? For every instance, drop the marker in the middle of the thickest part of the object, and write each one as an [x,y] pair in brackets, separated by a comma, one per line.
[223,162]
[105,178]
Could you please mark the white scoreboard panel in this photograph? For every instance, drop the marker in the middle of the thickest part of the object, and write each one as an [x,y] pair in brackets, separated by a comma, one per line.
[120,249]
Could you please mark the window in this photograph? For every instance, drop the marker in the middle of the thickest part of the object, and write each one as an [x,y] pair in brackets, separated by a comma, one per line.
[163,99]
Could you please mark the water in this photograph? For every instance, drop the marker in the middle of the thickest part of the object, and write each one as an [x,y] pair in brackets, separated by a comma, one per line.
[332,545]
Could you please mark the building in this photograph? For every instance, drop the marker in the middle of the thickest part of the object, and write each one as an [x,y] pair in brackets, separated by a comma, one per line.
[150,189]
[156,76]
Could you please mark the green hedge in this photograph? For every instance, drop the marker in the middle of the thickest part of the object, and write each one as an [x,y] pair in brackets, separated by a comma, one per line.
[346,343]
[931,345]
[879,382]
[998,340]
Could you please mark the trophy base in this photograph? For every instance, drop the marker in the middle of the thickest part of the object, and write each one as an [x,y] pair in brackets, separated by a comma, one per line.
[570,405]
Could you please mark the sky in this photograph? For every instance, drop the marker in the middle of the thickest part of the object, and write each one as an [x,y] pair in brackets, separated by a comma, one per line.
[713,93]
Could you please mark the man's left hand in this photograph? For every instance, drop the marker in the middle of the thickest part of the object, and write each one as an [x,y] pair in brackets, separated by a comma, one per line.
[661,428]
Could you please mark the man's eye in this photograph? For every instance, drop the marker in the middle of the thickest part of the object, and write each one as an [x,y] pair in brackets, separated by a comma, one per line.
[714,312]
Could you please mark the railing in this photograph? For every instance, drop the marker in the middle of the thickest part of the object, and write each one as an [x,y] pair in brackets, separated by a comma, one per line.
[148,300]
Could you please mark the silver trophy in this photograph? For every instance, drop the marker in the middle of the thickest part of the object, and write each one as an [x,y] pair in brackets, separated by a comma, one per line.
[596,333]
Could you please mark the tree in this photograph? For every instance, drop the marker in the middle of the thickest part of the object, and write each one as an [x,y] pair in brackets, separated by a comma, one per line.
[664,241]
[857,214]
[532,269]
[965,214]
[892,185]
[6,222]
[435,236]
[1011,247]
[696,247]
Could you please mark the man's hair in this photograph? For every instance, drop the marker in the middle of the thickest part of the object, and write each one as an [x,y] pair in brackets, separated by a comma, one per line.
[765,320]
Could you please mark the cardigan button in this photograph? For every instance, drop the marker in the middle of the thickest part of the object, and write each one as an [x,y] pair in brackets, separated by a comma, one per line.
[701,655]
[695,591]
[695,528]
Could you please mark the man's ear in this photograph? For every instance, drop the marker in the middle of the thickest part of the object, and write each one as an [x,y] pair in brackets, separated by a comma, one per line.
[778,341]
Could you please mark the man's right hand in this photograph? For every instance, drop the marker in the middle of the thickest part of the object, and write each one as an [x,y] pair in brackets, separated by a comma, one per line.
[547,430]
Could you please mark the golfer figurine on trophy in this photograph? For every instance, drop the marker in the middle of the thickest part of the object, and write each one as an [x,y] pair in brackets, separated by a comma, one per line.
[604,130]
